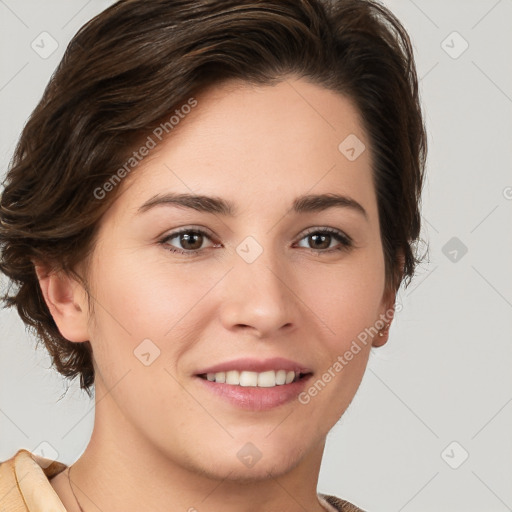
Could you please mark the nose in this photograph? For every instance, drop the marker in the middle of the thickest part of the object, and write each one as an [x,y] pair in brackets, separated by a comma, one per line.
[258,297]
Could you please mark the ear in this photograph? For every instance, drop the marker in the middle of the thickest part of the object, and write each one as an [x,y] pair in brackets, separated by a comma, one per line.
[388,307]
[67,301]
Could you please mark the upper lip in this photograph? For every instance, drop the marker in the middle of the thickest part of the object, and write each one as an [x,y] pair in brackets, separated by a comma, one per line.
[256,365]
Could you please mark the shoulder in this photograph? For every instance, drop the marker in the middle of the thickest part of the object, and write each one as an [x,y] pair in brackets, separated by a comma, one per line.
[339,504]
[24,482]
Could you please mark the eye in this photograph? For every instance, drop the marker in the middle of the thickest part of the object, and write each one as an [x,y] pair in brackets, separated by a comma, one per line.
[191,241]
[322,238]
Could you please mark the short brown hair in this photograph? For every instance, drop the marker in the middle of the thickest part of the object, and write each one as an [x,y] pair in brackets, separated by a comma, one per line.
[136,62]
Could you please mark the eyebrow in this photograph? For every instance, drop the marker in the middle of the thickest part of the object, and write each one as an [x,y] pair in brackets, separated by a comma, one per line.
[216,205]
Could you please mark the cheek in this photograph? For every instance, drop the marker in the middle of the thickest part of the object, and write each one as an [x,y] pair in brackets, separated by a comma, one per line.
[138,302]
[346,296]
[345,302]
[146,298]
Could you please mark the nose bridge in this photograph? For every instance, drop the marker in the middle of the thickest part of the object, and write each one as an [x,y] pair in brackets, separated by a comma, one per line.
[257,292]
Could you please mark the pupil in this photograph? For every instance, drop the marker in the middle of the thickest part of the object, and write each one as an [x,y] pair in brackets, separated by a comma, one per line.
[324,237]
[186,239]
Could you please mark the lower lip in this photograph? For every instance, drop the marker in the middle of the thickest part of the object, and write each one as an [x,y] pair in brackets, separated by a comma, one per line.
[255,398]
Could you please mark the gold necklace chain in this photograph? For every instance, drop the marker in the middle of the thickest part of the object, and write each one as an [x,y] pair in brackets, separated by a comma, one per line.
[69,480]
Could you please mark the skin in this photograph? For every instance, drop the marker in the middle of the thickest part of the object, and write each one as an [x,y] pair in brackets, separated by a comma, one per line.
[160,441]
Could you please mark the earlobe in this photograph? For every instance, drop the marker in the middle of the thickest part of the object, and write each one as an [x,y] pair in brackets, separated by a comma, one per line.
[382,336]
[388,302]
[384,321]
[66,302]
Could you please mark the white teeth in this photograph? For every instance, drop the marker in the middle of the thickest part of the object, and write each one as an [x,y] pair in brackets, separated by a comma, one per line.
[248,379]
[266,379]
[232,377]
[281,377]
[216,377]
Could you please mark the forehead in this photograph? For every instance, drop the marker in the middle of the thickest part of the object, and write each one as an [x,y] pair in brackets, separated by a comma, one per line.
[289,118]
[259,142]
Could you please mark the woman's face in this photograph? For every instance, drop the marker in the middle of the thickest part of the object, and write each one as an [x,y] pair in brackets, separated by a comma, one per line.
[260,282]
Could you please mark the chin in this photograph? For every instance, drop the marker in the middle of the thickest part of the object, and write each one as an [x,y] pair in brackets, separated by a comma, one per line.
[260,471]
[247,462]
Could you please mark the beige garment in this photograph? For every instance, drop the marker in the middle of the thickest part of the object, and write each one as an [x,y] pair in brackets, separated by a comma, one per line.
[25,486]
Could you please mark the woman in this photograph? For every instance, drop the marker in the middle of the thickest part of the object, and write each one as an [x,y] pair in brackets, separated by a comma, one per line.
[208,217]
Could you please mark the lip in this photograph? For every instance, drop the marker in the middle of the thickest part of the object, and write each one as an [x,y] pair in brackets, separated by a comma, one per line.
[255,398]
[256,365]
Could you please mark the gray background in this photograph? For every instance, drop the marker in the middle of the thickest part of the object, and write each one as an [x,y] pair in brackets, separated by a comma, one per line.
[441,389]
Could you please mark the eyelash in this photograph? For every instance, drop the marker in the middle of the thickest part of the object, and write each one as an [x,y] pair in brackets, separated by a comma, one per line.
[345,241]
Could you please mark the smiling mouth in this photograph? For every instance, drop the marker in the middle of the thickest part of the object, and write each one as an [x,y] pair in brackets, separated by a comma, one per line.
[267,379]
